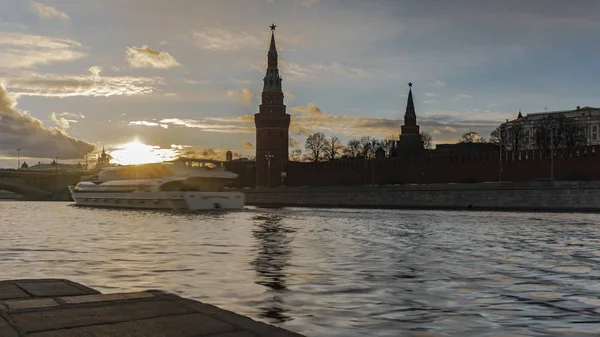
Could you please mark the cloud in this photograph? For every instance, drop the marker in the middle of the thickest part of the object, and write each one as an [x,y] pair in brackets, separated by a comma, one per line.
[19,130]
[18,50]
[242,124]
[308,3]
[226,41]
[63,120]
[295,71]
[146,123]
[54,85]
[289,97]
[294,143]
[147,57]
[243,95]
[11,25]
[248,146]
[311,110]
[464,96]
[430,94]
[439,83]
[95,70]
[47,12]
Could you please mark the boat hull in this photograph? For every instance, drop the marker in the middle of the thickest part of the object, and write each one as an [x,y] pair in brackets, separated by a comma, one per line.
[192,201]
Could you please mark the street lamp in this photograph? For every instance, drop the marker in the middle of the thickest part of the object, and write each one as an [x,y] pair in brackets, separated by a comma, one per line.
[269,157]
[18,159]
[500,141]
[552,130]
[56,162]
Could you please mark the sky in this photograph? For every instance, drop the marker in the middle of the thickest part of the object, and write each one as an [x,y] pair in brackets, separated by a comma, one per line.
[184,76]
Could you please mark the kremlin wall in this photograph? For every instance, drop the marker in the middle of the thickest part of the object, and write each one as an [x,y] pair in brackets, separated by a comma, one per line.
[577,164]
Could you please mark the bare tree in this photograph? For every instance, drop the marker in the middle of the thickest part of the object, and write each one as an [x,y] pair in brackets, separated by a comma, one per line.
[389,146]
[316,146]
[516,137]
[368,146]
[296,155]
[427,140]
[470,137]
[333,148]
[563,131]
[496,136]
[352,150]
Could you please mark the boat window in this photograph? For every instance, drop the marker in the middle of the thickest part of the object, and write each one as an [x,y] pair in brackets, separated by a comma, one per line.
[172,186]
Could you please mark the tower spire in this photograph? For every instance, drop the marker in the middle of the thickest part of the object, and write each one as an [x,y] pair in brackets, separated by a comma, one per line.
[272,80]
[410,117]
[273,47]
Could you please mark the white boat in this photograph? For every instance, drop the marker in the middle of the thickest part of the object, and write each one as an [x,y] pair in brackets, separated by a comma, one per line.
[197,189]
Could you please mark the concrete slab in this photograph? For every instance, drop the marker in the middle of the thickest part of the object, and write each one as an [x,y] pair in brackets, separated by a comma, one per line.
[47,312]
[245,323]
[235,334]
[189,325]
[103,297]
[6,330]
[74,316]
[51,288]
[35,303]
[9,290]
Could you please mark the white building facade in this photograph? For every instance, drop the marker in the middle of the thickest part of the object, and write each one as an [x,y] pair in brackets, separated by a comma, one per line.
[587,120]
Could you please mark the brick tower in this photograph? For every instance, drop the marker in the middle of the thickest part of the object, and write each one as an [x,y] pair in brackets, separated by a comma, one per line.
[272,125]
[410,143]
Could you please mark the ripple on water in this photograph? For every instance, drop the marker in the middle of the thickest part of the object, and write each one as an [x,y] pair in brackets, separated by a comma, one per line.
[575,269]
[329,272]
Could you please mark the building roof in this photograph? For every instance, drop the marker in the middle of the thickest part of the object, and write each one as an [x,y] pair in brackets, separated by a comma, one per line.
[580,111]
[53,166]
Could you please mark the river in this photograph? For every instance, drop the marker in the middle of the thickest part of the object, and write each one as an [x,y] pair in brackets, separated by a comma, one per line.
[330,272]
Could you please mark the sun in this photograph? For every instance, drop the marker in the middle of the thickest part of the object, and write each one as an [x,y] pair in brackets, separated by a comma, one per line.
[135,153]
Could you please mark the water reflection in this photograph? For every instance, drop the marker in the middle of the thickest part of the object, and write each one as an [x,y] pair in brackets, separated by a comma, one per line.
[273,242]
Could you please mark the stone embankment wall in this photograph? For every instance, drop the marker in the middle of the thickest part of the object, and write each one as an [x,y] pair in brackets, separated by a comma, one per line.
[533,196]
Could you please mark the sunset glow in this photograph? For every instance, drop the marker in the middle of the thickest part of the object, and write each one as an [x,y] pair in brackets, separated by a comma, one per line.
[135,153]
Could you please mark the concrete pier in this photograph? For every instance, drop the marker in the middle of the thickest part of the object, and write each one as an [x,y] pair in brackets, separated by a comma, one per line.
[543,196]
[54,307]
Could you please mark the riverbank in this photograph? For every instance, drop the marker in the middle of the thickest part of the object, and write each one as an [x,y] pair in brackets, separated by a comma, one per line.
[532,196]
[53,308]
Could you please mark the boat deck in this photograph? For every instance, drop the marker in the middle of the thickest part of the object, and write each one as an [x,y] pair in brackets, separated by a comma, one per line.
[61,308]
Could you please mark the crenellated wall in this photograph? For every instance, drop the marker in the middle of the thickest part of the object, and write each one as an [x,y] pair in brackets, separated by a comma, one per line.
[574,164]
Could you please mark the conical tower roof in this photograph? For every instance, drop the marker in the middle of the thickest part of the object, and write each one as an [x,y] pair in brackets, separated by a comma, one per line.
[410,104]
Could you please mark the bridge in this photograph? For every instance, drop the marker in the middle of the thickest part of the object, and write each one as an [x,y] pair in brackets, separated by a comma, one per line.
[38,185]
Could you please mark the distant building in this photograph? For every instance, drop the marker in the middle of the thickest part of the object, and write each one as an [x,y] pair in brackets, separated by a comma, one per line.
[54,166]
[103,160]
[228,156]
[410,143]
[523,133]
[24,166]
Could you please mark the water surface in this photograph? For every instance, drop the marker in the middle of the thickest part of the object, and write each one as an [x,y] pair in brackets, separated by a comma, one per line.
[330,272]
